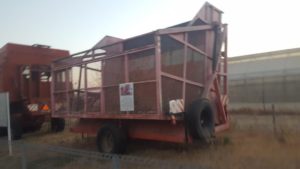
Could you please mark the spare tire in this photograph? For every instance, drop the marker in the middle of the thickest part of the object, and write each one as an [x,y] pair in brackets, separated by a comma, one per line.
[200,118]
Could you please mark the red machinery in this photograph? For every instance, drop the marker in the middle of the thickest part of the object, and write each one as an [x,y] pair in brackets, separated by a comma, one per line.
[25,74]
[167,85]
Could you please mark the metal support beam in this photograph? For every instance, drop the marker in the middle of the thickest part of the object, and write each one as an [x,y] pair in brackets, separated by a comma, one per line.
[184,29]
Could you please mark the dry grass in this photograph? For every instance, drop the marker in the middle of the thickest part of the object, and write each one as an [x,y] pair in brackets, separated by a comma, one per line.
[244,150]
[250,143]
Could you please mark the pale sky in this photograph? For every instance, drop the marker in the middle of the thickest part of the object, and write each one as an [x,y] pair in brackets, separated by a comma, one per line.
[76,25]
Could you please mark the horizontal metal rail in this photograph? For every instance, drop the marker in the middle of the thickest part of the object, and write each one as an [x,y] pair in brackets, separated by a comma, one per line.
[151,115]
[78,62]
[185,29]
[181,79]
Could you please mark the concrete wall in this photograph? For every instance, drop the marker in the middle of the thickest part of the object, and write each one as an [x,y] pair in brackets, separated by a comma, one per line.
[260,80]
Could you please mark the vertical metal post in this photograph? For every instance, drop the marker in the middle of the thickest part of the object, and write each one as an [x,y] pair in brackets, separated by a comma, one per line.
[126,68]
[158,74]
[30,85]
[263,94]
[184,67]
[102,101]
[8,125]
[85,88]
[68,70]
[116,162]
[78,88]
[184,85]
[225,60]
[23,157]
[209,35]
[126,71]
[21,81]
[52,89]
[274,120]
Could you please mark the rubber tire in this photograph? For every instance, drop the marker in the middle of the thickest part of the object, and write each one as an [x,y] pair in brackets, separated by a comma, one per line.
[3,131]
[118,142]
[16,128]
[57,124]
[200,118]
[34,128]
[37,127]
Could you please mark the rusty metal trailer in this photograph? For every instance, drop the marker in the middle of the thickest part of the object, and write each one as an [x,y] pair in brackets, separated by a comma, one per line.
[25,74]
[166,85]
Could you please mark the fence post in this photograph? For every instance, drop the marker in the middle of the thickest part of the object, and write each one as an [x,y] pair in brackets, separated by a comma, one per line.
[23,156]
[274,120]
[116,162]
[263,94]
[8,126]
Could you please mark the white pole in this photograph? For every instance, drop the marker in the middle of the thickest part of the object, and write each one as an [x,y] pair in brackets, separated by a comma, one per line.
[8,125]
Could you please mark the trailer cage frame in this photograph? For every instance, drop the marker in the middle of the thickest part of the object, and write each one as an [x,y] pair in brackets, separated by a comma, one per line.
[92,77]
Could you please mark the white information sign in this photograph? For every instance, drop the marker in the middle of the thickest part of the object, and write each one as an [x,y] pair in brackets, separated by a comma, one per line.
[5,117]
[3,110]
[126,91]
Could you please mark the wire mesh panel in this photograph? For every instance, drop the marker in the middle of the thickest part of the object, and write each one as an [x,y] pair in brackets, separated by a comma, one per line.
[93,100]
[94,84]
[172,53]
[197,39]
[139,42]
[145,97]
[60,80]
[76,101]
[195,66]
[94,75]
[77,77]
[112,100]
[141,66]
[60,104]
[113,71]
[171,90]
[76,93]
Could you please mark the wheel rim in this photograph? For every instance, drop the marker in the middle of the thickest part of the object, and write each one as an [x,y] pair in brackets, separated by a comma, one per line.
[205,118]
[107,142]
[205,122]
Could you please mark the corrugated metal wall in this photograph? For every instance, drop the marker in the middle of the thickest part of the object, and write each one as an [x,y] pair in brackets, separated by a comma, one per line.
[260,80]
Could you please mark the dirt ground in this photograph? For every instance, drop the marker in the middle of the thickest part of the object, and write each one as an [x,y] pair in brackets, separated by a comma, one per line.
[250,143]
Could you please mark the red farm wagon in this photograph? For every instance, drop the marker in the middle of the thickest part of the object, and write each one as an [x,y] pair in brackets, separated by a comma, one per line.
[25,74]
[167,85]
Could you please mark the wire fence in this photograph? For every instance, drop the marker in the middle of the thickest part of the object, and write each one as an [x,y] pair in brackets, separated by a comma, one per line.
[260,91]
[33,156]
